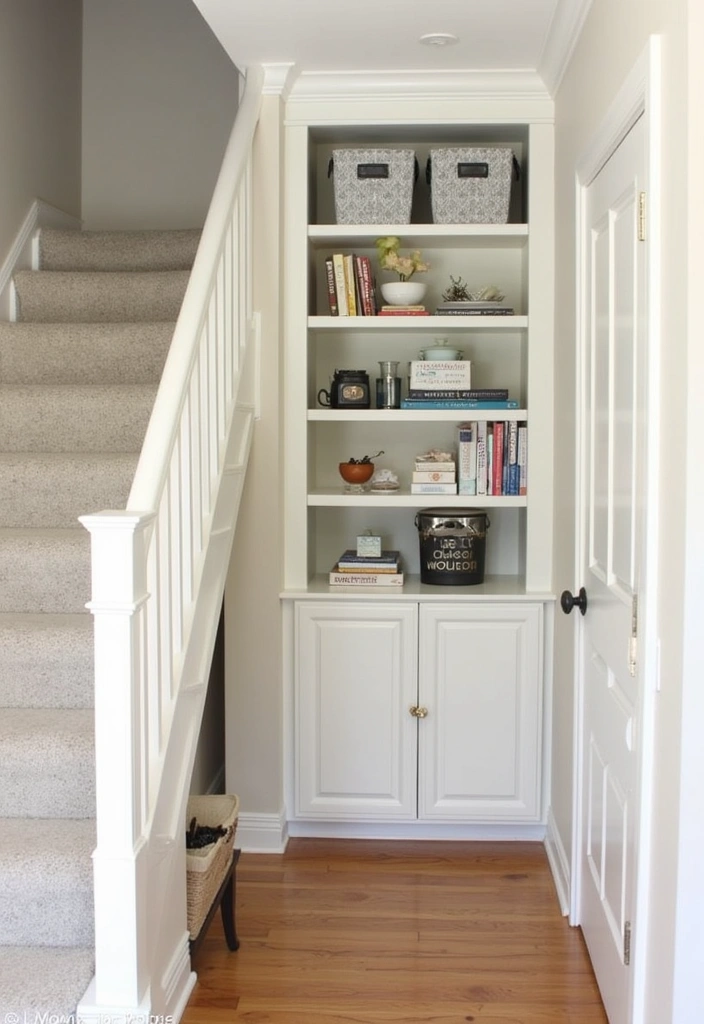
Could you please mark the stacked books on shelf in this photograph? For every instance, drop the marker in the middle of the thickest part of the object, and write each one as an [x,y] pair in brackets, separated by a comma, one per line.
[433,476]
[467,308]
[353,570]
[403,311]
[446,384]
[350,285]
[492,457]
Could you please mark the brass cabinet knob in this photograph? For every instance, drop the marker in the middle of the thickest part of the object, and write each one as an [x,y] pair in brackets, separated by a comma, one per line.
[418,712]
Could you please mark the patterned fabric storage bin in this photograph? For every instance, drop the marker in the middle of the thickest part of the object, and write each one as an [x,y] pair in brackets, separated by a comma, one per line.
[470,186]
[373,186]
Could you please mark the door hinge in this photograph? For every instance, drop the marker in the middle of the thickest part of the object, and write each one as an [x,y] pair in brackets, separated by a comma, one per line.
[633,639]
[627,943]
[641,216]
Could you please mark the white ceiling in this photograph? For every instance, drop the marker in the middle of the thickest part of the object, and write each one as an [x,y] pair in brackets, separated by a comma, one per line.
[382,35]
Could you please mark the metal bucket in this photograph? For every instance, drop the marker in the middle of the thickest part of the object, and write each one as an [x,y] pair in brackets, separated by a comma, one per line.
[452,545]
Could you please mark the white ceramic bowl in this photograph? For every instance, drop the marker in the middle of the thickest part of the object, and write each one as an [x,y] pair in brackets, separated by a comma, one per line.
[403,293]
[440,352]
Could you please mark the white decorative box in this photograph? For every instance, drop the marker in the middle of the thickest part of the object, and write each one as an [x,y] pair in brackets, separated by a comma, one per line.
[440,374]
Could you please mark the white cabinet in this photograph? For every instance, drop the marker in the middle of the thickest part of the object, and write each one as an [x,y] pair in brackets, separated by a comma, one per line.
[360,751]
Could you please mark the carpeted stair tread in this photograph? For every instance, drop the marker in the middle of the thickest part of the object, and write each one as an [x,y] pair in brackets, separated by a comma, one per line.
[44,570]
[63,296]
[46,661]
[47,764]
[51,489]
[46,881]
[118,250]
[120,353]
[74,417]
[40,980]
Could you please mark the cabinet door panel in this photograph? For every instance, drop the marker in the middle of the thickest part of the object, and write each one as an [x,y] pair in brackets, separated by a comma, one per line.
[355,739]
[479,747]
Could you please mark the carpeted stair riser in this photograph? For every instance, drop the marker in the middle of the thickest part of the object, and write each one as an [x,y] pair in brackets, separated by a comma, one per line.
[46,661]
[123,353]
[47,764]
[44,570]
[57,296]
[48,489]
[36,981]
[118,250]
[74,418]
[46,882]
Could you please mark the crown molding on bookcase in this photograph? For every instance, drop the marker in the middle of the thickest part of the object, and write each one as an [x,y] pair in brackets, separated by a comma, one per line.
[323,97]
[567,24]
[277,79]
[23,253]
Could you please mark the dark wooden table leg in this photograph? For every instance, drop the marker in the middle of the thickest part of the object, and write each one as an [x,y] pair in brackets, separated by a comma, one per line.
[227,906]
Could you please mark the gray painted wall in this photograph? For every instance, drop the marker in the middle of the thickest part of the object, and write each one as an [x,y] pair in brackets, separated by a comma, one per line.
[40,109]
[159,102]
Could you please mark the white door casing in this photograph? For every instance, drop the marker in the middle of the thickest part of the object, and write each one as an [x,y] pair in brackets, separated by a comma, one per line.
[617,409]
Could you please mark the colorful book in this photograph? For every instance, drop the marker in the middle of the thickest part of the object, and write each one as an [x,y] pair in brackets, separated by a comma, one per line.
[497,463]
[399,311]
[512,461]
[467,458]
[348,263]
[365,579]
[478,394]
[451,403]
[338,266]
[330,281]
[386,557]
[434,488]
[481,456]
[522,458]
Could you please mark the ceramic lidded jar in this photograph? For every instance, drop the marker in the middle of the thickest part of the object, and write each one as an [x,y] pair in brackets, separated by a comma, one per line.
[440,350]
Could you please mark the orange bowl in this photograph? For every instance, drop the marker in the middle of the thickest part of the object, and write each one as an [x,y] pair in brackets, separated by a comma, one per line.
[356,472]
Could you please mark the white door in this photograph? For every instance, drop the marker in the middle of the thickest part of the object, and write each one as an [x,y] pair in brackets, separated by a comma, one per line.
[614,428]
[480,675]
[355,740]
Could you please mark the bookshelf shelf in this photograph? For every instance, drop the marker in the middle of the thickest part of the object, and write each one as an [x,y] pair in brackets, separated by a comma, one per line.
[341,499]
[422,324]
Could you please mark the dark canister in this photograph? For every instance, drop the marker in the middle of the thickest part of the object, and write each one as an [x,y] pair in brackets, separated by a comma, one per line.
[452,545]
[349,389]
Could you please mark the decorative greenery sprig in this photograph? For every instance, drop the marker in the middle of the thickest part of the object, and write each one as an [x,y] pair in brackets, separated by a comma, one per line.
[367,458]
[387,249]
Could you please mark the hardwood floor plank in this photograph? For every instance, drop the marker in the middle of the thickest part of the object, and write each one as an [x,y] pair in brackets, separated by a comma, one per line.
[364,932]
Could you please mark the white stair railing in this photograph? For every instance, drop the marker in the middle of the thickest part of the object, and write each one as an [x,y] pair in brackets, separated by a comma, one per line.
[158,576]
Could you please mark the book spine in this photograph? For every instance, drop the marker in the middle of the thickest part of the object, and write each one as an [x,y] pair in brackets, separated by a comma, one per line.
[512,457]
[385,558]
[366,579]
[522,459]
[340,287]
[440,403]
[433,488]
[364,275]
[403,312]
[348,264]
[355,570]
[440,467]
[481,456]
[498,461]
[467,459]
[477,395]
[474,312]
[490,458]
[435,476]
[330,280]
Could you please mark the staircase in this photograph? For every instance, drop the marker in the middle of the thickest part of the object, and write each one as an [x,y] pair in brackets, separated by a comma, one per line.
[78,377]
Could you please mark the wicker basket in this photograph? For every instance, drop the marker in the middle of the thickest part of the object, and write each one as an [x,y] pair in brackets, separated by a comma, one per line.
[206,868]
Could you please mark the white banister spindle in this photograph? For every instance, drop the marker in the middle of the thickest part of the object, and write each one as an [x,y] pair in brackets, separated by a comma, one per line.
[158,573]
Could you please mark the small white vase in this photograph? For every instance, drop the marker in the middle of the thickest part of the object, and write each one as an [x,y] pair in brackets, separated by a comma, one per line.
[403,293]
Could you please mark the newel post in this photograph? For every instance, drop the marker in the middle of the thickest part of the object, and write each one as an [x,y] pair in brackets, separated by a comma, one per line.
[119,544]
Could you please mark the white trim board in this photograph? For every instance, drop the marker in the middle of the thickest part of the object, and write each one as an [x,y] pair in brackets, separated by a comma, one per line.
[559,864]
[565,30]
[23,254]
[261,833]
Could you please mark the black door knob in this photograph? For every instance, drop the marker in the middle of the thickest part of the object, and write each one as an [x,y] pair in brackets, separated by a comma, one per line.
[568,601]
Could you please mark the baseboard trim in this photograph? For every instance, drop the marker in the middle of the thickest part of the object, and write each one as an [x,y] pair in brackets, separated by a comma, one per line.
[23,251]
[411,830]
[261,833]
[559,864]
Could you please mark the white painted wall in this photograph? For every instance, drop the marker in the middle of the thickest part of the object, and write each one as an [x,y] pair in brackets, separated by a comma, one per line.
[159,101]
[40,109]
[615,33]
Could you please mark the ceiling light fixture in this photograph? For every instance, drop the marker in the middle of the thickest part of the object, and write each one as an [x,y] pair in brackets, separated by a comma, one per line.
[438,39]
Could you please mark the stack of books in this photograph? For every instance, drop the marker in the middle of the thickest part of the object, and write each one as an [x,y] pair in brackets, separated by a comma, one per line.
[350,285]
[468,308]
[403,311]
[434,477]
[492,457]
[353,570]
[446,384]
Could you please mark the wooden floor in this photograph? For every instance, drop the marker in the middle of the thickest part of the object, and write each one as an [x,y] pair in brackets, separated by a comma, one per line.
[350,932]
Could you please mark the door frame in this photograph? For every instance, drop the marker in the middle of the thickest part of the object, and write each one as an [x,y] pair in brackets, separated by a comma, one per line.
[639,97]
